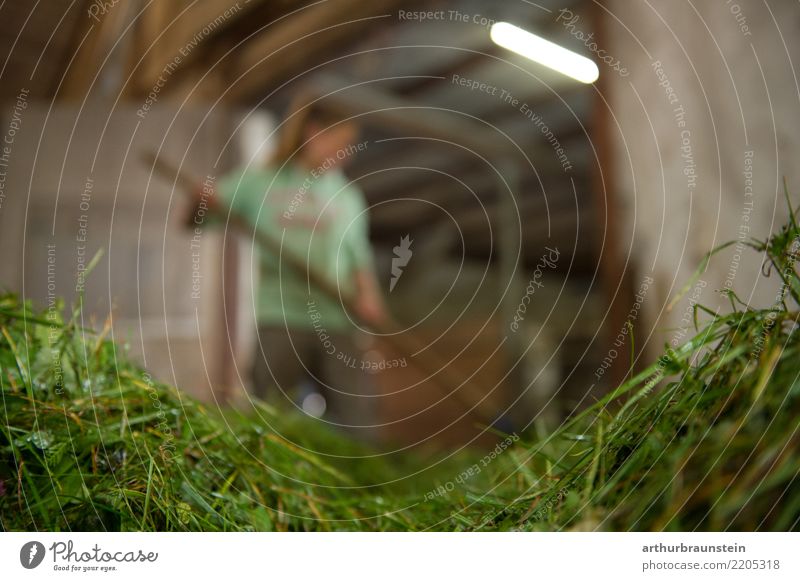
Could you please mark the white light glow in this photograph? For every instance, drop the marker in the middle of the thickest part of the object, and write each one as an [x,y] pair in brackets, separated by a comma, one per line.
[314,405]
[544,52]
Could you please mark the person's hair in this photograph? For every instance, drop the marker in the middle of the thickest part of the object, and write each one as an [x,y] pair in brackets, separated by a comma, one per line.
[300,115]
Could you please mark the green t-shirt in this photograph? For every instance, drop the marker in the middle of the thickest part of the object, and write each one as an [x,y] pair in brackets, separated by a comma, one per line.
[318,217]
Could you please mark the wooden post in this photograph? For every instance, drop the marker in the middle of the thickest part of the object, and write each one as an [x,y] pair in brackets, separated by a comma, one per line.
[615,279]
[509,233]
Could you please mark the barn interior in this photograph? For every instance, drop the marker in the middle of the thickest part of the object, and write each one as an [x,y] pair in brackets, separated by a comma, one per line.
[551,221]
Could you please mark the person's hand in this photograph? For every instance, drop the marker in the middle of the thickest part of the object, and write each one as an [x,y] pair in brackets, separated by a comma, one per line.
[371,311]
[369,306]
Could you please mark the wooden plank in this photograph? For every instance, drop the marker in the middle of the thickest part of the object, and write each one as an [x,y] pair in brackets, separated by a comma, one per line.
[407,117]
[387,184]
[416,213]
[94,38]
[287,47]
[150,25]
[187,32]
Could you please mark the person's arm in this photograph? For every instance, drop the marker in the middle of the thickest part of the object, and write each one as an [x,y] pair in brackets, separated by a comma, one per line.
[370,306]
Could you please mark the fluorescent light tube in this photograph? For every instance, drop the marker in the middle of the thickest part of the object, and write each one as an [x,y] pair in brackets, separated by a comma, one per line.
[544,52]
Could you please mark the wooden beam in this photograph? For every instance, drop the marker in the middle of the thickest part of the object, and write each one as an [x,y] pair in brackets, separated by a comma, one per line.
[386,184]
[614,277]
[150,25]
[404,116]
[416,213]
[170,30]
[94,38]
[286,47]
[464,67]
[454,198]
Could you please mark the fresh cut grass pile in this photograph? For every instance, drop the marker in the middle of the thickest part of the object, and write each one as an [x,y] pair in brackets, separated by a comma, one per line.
[705,438]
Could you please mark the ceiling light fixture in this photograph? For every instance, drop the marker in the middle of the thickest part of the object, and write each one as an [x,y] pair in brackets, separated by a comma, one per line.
[544,52]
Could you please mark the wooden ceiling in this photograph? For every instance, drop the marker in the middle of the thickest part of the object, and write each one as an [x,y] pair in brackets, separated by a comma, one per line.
[35,38]
[256,52]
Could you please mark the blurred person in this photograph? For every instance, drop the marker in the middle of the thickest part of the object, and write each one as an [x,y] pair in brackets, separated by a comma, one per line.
[303,201]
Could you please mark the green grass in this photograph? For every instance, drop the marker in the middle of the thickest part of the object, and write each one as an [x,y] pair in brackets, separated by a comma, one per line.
[99,445]
[705,438]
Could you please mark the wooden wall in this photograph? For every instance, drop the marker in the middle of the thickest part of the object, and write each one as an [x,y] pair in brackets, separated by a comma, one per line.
[76,184]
